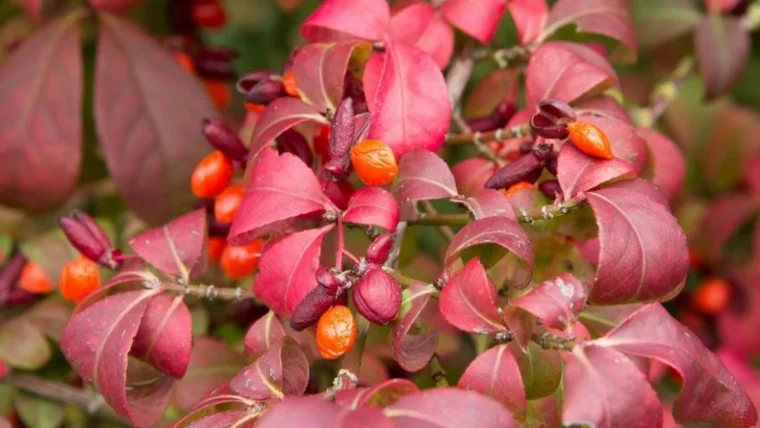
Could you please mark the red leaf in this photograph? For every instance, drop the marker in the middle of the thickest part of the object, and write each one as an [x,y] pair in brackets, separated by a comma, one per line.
[366,417]
[263,334]
[421,26]
[287,267]
[477,18]
[722,45]
[228,418]
[311,411]
[381,395]
[177,248]
[40,117]
[603,106]
[495,373]
[373,206]
[408,99]
[413,351]
[449,407]
[669,163]
[529,17]
[283,370]
[643,255]
[489,203]
[472,174]
[164,338]
[319,70]
[96,343]
[604,388]
[577,172]
[337,20]
[468,301]
[147,111]
[609,18]
[709,393]
[279,116]
[281,188]
[626,143]
[555,302]
[423,175]
[566,71]
[212,363]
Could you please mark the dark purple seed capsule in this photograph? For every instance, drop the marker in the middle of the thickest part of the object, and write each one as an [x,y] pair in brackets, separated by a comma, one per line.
[527,167]
[292,141]
[223,139]
[265,92]
[542,126]
[483,124]
[326,279]
[338,167]
[217,229]
[380,249]
[551,162]
[92,226]
[10,273]
[82,239]
[249,80]
[550,188]
[211,68]
[503,113]
[312,307]
[557,109]
[377,296]
[221,54]
[342,131]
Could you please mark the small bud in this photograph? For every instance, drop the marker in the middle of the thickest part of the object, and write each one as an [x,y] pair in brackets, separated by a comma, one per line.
[556,109]
[316,303]
[552,159]
[380,249]
[10,273]
[92,226]
[544,126]
[377,296]
[291,141]
[84,233]
[326,279]
[223,139]
[249,80]
[215,64]
[265,92]
[528,168]
[503,113]
[342,134]
[550,188]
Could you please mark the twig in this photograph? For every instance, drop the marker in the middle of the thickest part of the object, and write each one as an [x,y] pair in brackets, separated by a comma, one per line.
[664,94]
[445,230]
[398,238]
[500,134]
[547,212]
[403,280]
[441,220]
[210,292]
[504,57]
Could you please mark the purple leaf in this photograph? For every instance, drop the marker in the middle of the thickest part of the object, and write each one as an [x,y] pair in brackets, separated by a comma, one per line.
[488,203]
[722,45]
[413,351]
[366,417]
[147,113]
[449,407]
[468,301]
[577,172]
[310,411]
[164,338]
[279,116]
[495,373]
[337,20]
[479,21]
[280,189]
[669,170]
[604,388]
[709,392]
[287,268]
[408,99]
[421,26]
[373,206]
[555,302]
[423,175]
[263,334]
[40,117]
[282,371]
[177,248]
[381,395]
[643,251]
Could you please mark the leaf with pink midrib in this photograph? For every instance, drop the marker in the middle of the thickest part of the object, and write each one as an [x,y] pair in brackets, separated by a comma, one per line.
[479,21]
[164,338]
[263,334]
[282,371]
[373,206]
[495,373]
[555,302]
[282,114]
[449,407]
[468,301]
[578,172]
[423,175]
[413,351]
[488,203]
[337,20]
[420,25]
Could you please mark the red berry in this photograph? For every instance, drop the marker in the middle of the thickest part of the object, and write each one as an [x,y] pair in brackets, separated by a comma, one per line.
[239,261]
[215,247]
[374,162]
[712,296]
[336,332]
[209,14]
[590,139]
[212,175]
[322,142]
[79,278]
[227,203]
[219,92]
[34,280]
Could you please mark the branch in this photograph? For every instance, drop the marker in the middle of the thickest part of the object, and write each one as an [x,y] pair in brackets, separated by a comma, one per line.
[547,212]
[209,292]
[504,57]
[445,230]
[458,76]
[500,134]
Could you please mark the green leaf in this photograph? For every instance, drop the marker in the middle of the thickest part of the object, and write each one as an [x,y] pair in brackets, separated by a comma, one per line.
[23,345]
[38,413]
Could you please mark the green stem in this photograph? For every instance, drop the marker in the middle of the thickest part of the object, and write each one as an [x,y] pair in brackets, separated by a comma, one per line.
[403,280]
[210,292]
[438,373]
[441,220]
[500,134]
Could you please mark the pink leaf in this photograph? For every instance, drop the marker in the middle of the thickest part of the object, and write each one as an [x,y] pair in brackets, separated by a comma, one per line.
[566,71]
[281,188]
[468,301]
[279,116]
[609,18]
[669,163]
[555,302]
[709,392]
[626,143]
[40,117]
[578,172]
[603,106]
[643,251]
[212,363]
[449,407]
[420,25]
[227,418]
[413,351]
[373,206]
[310,411]
[529,17]
[319,70]
[381,395]
[177,248]
[495,373]
[472,174]
[423,175]
[723,218]
[477,18]
[286,271]
[408,99]
[165,337]
[366,417]
[604,388]
[489,203]
[722,45]
[337,20]
[147,111]
[282,371]
[263,334]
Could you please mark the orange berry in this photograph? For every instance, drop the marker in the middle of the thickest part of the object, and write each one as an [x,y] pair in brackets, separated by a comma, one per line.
[219,91]
[289,82]
[212,175]
[208,14]
[322,142]
[34,280]
[215,247]
[374,162]
[518,187]
[79,278]
[589,139]
[336,332]
[240,261]
[227,203]
[712,296]
[185,61]
[255,108]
